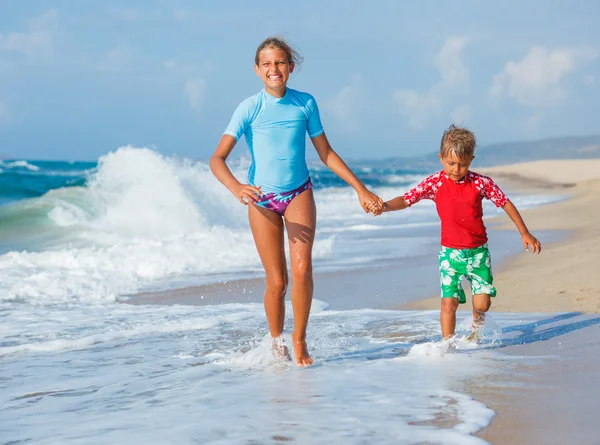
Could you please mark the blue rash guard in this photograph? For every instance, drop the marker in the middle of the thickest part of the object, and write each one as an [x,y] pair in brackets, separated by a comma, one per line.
[275,130]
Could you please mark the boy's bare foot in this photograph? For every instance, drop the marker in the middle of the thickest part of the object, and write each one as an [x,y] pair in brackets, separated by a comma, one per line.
[301,353]
[474,336]
[280,350]
[478,321]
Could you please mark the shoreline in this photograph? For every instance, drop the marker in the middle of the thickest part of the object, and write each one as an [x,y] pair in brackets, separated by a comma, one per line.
[549,404]
[552,403]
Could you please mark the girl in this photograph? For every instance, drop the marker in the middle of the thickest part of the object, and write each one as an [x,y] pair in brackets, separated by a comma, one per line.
[275,122]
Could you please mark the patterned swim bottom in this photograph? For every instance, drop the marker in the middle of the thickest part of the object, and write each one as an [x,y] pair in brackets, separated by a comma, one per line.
[473,264]
[278,202]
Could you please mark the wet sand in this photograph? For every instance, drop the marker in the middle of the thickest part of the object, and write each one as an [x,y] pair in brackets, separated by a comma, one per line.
[553,403]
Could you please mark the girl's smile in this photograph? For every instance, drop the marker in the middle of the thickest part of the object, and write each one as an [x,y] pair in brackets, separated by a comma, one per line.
[274,69]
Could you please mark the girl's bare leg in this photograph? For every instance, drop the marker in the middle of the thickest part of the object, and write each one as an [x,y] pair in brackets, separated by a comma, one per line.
[267,230]
[301,221]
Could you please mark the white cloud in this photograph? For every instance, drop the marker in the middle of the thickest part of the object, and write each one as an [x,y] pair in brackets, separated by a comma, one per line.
[589,80]
[461,114]
[533,122]
[117,59]
[538,79]
[126,14]
[170,64]
[345,105]
[4,114]
[181,15]
[37,40]
[419,107]
[195,89]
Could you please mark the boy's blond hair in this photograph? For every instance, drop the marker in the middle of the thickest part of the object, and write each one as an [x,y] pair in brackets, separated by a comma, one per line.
[459,141]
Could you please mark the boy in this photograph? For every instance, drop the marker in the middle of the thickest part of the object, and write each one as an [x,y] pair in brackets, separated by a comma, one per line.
[458,194]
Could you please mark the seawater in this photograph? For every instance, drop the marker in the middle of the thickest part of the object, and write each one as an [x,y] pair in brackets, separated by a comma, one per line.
[79,366]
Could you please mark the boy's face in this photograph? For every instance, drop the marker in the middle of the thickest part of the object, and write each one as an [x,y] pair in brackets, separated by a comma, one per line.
[455,167]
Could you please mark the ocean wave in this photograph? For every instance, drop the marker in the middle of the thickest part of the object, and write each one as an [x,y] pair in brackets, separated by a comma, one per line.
[18,165]
[140,220]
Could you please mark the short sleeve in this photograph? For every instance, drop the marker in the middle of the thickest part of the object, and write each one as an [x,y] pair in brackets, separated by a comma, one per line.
[315,127]
[490,190]
[241,119]
[426,189]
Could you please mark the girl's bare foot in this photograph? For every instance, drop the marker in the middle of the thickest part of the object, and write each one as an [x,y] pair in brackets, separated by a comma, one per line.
[301,353]
[280,350]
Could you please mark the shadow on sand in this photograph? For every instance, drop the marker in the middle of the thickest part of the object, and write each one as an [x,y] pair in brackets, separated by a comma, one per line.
[535,332]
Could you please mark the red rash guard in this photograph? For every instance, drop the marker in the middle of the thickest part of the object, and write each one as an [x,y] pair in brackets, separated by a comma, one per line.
[459,206]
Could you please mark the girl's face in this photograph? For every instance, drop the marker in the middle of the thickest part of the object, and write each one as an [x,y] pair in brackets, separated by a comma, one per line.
[454,167]
[274,69]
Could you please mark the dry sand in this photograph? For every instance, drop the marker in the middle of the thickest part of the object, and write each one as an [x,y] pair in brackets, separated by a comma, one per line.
[566,275]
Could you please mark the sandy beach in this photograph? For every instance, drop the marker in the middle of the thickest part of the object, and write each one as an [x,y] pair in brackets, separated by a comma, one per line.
[556,406]
[563,278]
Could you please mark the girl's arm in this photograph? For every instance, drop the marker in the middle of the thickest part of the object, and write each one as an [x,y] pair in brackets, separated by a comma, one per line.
[243,192]
[527,238]
[368,200]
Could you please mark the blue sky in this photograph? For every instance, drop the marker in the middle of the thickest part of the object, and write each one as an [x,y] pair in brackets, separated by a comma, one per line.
[79,79]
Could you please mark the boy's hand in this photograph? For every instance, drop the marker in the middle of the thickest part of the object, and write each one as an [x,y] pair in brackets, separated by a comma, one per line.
[378,210]
[531,241]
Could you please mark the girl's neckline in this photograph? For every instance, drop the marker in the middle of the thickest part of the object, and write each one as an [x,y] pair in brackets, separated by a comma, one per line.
[275,98]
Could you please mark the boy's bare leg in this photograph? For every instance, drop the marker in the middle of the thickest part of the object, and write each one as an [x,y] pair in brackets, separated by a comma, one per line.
[301,222]
[481,304]
[448,317]
[267,230]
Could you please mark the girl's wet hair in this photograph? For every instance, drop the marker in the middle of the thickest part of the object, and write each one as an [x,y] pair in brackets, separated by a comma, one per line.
[458,140]
[279,43]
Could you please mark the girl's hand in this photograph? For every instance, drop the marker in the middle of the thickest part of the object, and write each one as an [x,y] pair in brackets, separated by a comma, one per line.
[376,211]
[530,240]
[370,202]
[246,193]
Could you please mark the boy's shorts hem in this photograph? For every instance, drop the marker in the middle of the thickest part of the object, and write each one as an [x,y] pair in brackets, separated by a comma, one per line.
[473,264]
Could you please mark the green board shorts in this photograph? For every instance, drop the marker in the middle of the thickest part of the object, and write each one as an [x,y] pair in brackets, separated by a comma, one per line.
[473,264]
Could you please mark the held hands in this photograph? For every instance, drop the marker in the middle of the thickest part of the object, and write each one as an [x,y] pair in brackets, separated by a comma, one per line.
[530,240]
[370,202]
[246,193]
[379,210]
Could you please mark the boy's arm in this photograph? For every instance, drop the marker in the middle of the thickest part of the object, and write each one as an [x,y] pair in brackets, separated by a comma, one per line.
[426,189]
[527,238]
[398,203]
